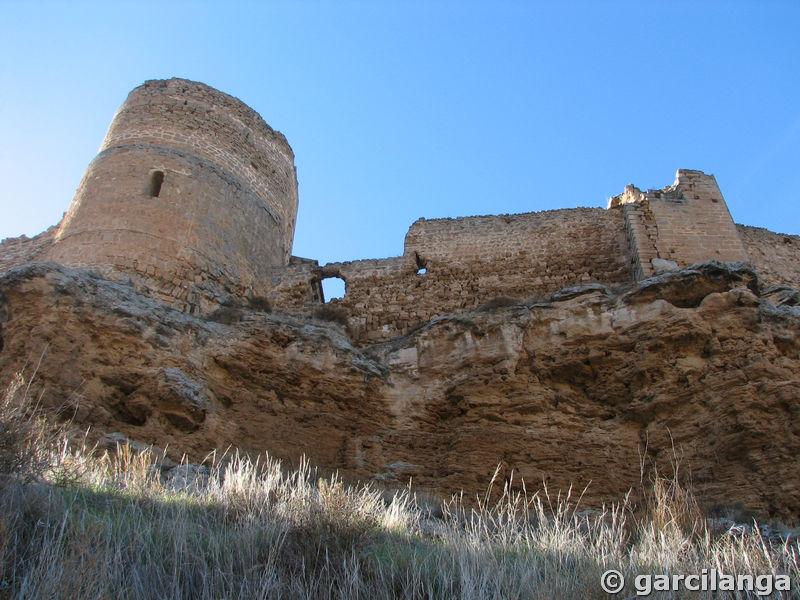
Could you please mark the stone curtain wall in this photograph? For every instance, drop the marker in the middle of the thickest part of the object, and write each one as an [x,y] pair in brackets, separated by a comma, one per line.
[472,261]
[23,250]
[223,215]
[549,248]
[194,198]
[686,223]
[776,256]
[468,262]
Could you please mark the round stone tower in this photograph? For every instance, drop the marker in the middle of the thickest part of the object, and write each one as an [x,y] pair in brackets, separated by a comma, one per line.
[192,195]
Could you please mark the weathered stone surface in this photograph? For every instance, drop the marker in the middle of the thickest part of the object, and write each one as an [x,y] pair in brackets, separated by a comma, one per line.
[456,265]
[23,250]
[661,265]
[687,222]
[510,340]
[193,199]
[192,195]
[776,256]
[592,387]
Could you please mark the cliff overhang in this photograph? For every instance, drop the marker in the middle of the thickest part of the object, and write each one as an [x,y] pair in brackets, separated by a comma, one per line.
[591,387]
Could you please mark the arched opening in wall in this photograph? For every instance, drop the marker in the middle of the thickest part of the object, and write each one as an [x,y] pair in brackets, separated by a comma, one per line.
[156,180]
[421,264]
[333,288]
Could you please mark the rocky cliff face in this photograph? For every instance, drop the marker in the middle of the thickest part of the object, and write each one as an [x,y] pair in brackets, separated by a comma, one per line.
[591,387]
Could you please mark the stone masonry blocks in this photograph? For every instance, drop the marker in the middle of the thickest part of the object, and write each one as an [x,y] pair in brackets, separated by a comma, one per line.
[687,223]
[191,195]
[194,199]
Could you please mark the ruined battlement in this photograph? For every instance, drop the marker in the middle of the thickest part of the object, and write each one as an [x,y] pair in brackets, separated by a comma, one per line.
[685,223]
[194,199]
[452,265]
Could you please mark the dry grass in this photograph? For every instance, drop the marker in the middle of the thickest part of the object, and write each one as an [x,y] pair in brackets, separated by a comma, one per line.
[111,527]
[22,431]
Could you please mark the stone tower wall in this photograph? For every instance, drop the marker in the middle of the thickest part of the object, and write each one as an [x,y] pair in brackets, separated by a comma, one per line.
[221,214]
[686,223]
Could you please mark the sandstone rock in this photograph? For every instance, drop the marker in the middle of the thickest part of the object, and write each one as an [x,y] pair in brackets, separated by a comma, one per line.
[780,295]
[592,389]
[661,265]
[181,399]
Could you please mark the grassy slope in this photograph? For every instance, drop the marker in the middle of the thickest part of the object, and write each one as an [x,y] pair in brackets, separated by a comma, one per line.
[77,525]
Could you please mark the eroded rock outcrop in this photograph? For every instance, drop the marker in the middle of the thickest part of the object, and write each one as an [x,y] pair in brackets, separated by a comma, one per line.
[590,387]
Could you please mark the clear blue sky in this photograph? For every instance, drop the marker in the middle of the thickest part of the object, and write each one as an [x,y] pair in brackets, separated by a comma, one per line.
[400,110]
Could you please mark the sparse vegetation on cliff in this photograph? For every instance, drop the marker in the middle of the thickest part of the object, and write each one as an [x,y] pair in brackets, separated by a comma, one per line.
[331,313]
[113,525]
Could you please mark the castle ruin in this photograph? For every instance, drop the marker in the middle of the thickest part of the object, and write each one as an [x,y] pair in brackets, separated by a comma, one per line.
[193,198]
[191,194]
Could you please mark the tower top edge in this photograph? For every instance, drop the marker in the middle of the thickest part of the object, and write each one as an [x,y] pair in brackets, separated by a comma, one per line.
[176,87]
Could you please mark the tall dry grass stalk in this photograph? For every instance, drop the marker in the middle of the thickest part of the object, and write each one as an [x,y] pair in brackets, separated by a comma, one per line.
[113,526]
